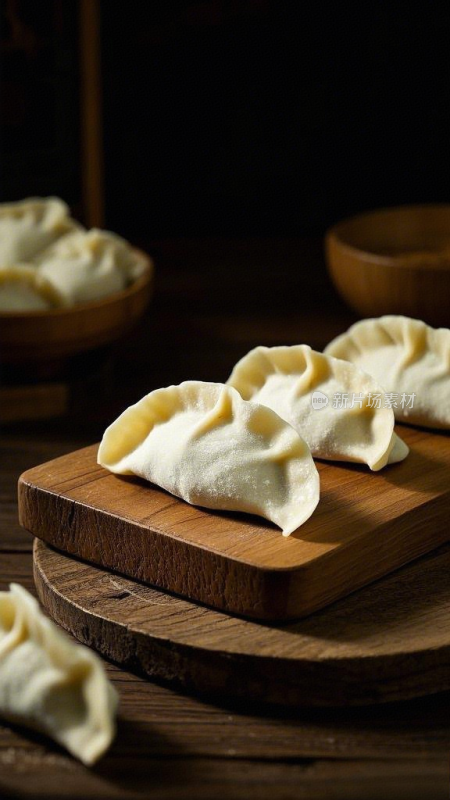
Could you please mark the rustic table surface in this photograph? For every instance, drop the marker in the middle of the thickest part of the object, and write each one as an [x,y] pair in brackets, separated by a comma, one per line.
[214,301]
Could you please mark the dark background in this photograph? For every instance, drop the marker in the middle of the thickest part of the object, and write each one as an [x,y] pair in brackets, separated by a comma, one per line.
[239,118]
[272,118]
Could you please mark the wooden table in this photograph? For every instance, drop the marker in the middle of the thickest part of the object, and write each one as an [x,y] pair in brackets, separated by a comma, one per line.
[171,745]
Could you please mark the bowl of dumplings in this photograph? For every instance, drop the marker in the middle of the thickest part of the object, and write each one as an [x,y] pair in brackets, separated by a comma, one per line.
[64,289]
[394,261]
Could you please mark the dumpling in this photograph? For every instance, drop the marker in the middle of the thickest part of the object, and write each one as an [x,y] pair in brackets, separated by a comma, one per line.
[80,265]
[410,360]
[50,684]
[202,442]
[28,226]
[89,265]
[285,378]
[22,288]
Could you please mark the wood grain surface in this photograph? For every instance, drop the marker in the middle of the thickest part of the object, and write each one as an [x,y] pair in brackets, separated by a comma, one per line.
[365,526]
[389,641]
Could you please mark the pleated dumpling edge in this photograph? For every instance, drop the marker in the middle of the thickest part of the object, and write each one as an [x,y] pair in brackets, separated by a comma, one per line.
[203,443]
[314,393]
[28,226]
[409,358]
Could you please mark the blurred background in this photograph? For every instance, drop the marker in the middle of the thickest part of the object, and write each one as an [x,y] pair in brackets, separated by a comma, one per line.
[224,137]
[233,117]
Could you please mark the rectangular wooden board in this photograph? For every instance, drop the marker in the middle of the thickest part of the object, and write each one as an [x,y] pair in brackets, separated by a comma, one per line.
[366,525]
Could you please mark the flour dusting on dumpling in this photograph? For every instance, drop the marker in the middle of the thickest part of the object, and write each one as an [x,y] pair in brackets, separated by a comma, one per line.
[204,443]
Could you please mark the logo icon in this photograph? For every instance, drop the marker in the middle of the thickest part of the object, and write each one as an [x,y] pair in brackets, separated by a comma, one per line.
[319,400]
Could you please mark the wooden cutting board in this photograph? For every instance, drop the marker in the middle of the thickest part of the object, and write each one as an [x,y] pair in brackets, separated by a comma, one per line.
[390,641]
[365,526]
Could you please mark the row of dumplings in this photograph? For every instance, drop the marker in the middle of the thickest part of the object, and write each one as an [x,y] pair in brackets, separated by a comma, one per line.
[249,445]
[48,260]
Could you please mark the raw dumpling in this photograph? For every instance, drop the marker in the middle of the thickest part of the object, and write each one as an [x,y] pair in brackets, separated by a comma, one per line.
[28,226]
[22,288]
[50,684]
[410,360]
[203,443]
[285,378]
[88,265]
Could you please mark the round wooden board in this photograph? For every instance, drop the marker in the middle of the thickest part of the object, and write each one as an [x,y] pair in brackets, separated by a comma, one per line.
[389,641]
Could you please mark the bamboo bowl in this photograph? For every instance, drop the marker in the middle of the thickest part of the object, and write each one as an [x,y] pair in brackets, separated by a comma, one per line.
[36,337]
[394,261]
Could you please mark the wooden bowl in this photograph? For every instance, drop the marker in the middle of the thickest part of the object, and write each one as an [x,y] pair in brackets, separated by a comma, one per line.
[43,336]
[394,261]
